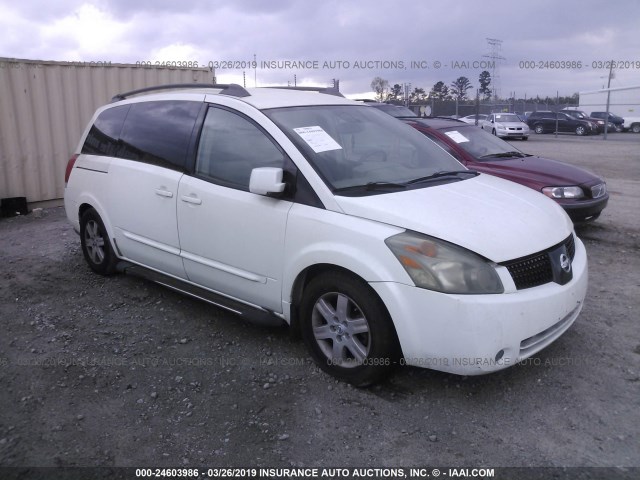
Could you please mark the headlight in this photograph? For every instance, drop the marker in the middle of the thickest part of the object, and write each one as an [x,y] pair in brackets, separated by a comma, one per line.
[437,265]
[563,192]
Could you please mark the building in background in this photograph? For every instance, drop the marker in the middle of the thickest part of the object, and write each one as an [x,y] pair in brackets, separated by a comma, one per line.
[46,105]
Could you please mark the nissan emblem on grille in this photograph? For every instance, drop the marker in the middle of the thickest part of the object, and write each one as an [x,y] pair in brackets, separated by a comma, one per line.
[565,263]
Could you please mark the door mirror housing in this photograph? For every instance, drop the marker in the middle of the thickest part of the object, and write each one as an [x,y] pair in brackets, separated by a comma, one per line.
[267,181]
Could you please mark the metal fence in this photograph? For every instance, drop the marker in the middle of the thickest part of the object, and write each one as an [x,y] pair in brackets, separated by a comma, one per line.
[461,109]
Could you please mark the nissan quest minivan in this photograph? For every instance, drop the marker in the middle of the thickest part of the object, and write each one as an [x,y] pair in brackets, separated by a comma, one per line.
[302,207]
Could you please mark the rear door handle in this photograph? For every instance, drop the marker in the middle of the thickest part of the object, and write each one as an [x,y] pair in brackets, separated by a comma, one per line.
[164,193]
[189,199]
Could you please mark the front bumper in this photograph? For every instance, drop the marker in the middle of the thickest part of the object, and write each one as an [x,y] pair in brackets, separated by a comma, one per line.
[478,334]
[584,209]
[501,132]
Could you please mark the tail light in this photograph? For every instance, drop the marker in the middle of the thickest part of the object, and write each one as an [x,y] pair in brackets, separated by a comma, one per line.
[70,165]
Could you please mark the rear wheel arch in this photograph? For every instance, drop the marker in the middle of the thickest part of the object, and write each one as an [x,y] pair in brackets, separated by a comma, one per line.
[83,208]
[96,243]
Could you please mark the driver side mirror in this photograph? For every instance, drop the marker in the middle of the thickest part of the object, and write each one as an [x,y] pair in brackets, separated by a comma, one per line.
[267,181]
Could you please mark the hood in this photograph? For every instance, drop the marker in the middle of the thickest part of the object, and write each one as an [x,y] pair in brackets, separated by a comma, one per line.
[512,124]
[497,219]
[537,172]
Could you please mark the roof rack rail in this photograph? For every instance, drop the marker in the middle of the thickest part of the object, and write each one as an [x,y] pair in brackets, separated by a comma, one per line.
[326,90]
[232,89]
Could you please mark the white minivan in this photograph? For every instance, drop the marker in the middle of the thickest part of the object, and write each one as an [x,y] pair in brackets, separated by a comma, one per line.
[302,207]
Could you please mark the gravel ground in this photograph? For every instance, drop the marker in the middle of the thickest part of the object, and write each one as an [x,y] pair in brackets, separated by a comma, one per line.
[121,372]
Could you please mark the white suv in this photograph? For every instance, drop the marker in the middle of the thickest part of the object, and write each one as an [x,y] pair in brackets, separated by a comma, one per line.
[307,208]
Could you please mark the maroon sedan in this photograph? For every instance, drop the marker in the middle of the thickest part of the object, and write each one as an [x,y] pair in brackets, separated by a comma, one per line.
[582,194]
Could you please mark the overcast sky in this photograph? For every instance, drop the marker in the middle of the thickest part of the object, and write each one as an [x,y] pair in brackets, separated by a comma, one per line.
[372,38]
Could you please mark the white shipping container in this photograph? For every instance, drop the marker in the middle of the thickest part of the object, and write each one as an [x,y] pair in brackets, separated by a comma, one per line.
[44,108]
[622,101]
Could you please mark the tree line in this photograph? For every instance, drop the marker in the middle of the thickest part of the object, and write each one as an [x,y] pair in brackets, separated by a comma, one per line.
[456,90]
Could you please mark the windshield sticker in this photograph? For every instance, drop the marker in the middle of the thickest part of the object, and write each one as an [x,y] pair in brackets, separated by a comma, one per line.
[456,136]
[319,140]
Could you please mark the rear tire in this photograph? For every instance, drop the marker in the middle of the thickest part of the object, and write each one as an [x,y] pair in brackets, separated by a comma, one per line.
[347,329]
[96,245]
[635,128]
[538,129]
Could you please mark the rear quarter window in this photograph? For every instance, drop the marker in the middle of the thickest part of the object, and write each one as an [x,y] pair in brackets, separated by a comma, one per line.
[105,132]
[159,132]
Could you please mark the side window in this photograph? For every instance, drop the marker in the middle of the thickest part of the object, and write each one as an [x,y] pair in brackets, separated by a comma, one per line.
[159,132]
[103,136]
[231,146]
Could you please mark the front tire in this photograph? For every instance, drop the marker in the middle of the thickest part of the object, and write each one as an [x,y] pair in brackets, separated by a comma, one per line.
[580,130]
[347,329]
[96,246]
[635,128]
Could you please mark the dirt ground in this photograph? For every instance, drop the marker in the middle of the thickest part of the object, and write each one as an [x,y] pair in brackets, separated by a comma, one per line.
[121,372]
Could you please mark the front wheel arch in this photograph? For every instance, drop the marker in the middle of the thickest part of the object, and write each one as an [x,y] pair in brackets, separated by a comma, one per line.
[378,342]
[301,282]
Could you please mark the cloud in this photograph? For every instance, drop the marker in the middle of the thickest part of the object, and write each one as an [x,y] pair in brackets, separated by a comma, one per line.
[123,31]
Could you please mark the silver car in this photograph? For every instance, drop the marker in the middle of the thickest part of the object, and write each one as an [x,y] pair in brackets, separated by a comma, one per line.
[506,125]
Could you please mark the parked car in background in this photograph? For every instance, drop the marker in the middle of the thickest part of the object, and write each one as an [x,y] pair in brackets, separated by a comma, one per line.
[546,121]
[615,119]
[472,118]
[631,124]
[599,122]
[582,194]
[308,209]
[393,110]
[506,125]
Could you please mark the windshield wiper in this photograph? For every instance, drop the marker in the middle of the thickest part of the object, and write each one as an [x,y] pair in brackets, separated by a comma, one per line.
[505,154]
[450,173]
[372,186]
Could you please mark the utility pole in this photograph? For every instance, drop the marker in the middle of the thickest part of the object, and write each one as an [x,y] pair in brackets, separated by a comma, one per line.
[606,120]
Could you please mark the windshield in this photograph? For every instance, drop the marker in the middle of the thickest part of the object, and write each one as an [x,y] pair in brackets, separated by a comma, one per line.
[507,117]
[481,144]
[358,146]
[578,114]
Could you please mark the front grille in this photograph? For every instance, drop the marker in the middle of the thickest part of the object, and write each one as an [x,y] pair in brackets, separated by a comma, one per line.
[534,270]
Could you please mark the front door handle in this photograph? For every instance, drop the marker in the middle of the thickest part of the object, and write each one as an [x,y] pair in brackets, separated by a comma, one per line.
[189,199]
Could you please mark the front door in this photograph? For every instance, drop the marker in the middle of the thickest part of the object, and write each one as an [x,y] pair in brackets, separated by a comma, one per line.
[232,240]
